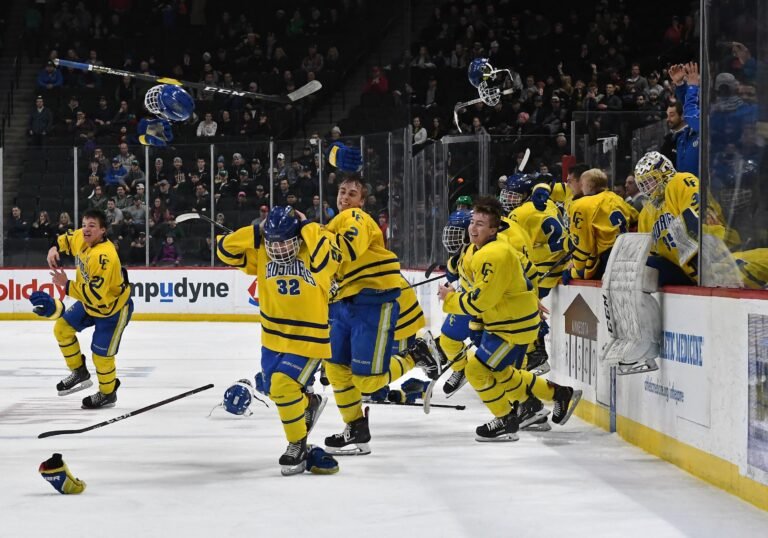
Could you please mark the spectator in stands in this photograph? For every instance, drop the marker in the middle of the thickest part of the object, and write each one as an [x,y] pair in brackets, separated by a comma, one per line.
[177,172]
[227,128]
[423,59]
[237,164]
[40,122]
[158,173]
[134,176]
[49,78]
[202,168]
[102,117]
[335,134]
[377,83]
[258,175]
[123,117]
[419,133]
[332,60]
[202,202]
[283,190]
[122,200]
[98,156]
[68,114]
[94,177]
[135,214]
[281,170]
[437,131]
[261,197]
[313,61]
[125,156]
[169,253]
[263,128]
[331,188]
[305,186]
[221,219]
[83,129]
[126,91]
[114,218]
[158,215]
[248,125]
[166,194]
[640,82]
[634,197]
[207,127]
[557,117]
[115,176]
[17,226]
[97,200]
[263,214]
[477,127]
[137,251]
[42,228]
[459,57]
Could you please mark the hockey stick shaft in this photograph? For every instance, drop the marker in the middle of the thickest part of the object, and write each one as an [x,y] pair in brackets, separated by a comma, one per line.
[127,415]
[194,216]
[307,89]
[557,266]
[438,277]
[459,106]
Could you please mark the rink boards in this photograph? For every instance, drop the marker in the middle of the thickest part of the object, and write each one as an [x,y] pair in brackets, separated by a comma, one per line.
[705,409]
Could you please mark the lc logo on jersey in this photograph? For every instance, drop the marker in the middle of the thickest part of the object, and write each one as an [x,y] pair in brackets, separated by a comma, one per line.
[253,292]
[577,219]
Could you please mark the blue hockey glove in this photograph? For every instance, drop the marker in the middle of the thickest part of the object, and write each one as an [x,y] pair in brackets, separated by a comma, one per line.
[398,396]
[261,384]
[543,329]
[155,132]
[380,395]
[320,462]
[45,306]
[345,158]
[476,331]
[539,197]
[567,277]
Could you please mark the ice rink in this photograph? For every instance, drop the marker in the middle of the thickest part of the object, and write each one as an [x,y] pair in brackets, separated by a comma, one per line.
[174,472]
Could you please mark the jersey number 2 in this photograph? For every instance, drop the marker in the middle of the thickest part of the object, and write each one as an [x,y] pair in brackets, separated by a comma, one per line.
[618,219]
[288,287]
[554,231]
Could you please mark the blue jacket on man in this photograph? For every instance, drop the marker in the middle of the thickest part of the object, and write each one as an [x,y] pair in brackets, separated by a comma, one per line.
[687,138]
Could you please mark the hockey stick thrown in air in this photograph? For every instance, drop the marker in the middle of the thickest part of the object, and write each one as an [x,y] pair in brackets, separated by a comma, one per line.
[308,89]
[197,216]
[459,106]
[127,415]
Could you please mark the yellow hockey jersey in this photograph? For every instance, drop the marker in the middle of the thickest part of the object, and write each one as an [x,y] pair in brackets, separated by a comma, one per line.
[366,263]
[411,317]
[548,234]
[520,241]
[499,293]
[596,222]
[101,283]
[293,297]
[753,265]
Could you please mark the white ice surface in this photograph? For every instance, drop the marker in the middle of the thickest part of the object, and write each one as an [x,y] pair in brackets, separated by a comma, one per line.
[174,472]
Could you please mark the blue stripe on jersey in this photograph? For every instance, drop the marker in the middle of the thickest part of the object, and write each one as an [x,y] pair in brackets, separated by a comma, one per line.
[317,248]
[368,266]
[296,336]
[220,246]
[516,320]
[322,264]
[410,322]
[293,322]
[382,273]
[517,331]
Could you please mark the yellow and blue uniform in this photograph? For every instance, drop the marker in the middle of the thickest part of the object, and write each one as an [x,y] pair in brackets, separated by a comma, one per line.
[364,314]
[596,221]
[410,318]
[455,328]
[503,298]
[547,232]
[295,329]
[753,265]
[520,241]
[103,297]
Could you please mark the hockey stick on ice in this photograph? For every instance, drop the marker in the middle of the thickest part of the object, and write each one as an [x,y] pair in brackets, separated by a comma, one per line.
[308,89]
[459,106]
[195,216]
[127,415]
[416,404]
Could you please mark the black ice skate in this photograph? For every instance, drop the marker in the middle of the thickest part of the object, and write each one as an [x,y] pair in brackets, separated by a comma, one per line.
[294,459]
[430,358]
[533,416]
[499,429]
[79,379]
[566,399]
[357,433]
[314,409]
[101,400]
[454,383]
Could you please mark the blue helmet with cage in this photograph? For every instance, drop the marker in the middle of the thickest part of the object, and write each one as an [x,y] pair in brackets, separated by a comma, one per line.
[455,231]
[478,71]
[281,234]
[518,188]
[237,398]
[169,102]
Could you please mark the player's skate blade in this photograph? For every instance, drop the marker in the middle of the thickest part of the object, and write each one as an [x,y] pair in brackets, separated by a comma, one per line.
[77,388]
[541,369]
[649,365]
[538,417]
[361,449]
[542,425]
[505,438]
[454,383]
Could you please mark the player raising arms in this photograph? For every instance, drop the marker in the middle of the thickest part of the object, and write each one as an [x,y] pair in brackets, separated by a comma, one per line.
[103,301]
[294,261]
[364,313]
[506,304]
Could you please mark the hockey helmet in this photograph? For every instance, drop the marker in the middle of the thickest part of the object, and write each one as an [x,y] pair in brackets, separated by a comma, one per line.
[455,232]
[237,398]
[281,234]
[170,102]
[518,188]
[478,71]
[464,200]
[652,173]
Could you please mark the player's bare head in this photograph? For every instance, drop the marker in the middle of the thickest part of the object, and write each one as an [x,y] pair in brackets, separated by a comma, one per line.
[94,226]
[352,192]
[593,181]
[486,219]
[574,177]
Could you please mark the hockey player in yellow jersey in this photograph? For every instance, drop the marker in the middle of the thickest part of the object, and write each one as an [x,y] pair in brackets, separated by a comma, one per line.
[506,306]
[596,220]
[103,301]
[294,261]
[364,313]
[526,198]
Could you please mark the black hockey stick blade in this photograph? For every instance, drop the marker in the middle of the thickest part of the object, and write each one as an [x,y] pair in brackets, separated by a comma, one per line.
[416,404]
[127,415]
[309,88]
[431,268]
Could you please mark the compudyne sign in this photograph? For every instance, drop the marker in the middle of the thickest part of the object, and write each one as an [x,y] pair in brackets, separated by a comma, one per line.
[184,289]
